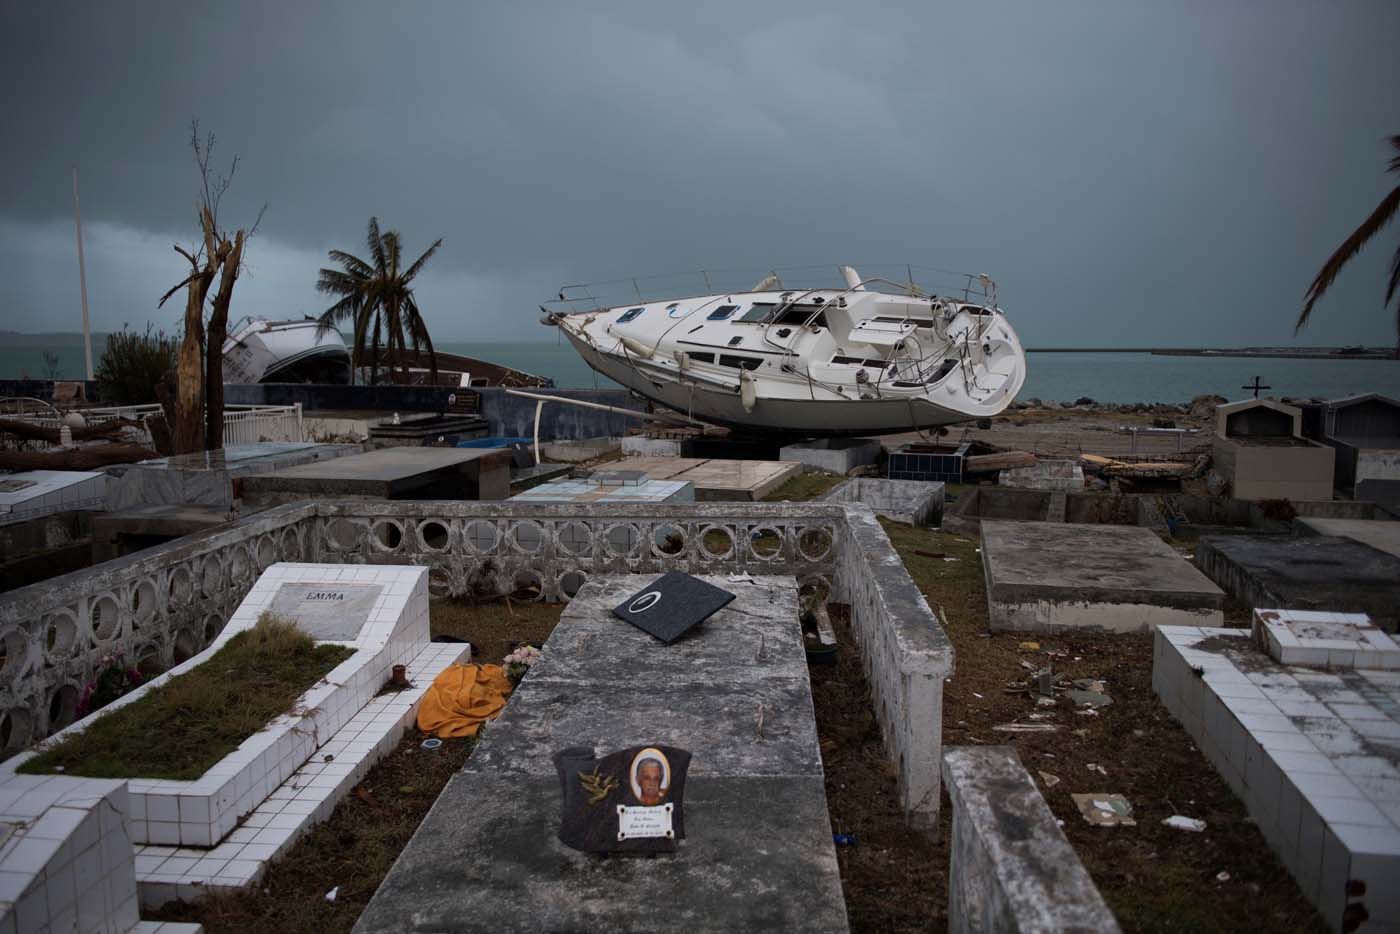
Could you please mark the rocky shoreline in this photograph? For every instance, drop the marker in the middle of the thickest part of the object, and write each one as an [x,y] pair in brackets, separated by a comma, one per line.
[1200,407]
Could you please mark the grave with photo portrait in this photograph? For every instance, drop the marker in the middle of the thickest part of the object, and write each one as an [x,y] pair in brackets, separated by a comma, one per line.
[630,801]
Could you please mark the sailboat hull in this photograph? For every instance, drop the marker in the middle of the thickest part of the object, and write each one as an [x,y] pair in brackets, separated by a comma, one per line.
[798,417]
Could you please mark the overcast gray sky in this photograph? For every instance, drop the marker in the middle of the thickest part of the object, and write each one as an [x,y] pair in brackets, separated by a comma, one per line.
[1130,173]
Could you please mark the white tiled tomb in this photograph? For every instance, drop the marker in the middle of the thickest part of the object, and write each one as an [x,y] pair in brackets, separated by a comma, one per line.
[220,830]
[1324,640]
[1314,755]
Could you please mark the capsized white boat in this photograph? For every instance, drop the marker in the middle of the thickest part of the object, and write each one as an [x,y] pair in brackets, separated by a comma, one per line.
[872,357]
[261,351]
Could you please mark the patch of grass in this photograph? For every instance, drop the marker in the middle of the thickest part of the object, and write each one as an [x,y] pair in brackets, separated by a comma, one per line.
[806,486]
[180,729]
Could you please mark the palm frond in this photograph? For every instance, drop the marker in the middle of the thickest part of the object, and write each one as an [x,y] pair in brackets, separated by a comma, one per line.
[335,282]
[418,263]
[352,263]
[376,245]
[1382,215]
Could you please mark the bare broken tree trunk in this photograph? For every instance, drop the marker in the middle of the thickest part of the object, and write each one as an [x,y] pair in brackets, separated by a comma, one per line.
[188,435]
[232,256]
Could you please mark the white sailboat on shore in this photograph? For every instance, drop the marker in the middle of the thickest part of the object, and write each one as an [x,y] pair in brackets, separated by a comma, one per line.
[872,357]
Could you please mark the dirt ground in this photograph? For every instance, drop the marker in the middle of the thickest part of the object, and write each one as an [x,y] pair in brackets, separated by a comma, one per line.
[352,851]
[495,627]
[1154,878]
[1072,431]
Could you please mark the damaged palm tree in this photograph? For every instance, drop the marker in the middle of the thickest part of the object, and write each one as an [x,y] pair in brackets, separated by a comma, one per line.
[376,296]
[199,395]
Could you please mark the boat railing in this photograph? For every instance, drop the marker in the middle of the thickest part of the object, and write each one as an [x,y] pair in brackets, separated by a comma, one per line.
[904,278]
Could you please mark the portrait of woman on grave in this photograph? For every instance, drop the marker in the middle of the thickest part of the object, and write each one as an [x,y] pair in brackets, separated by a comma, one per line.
[650,777]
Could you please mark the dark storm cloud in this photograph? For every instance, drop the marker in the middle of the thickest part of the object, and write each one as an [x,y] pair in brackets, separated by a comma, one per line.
[1167,173]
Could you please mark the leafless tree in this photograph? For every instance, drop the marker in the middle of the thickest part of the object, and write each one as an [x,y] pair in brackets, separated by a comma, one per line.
[199,399]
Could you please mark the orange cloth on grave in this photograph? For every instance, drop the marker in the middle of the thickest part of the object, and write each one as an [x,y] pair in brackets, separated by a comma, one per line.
[462,698]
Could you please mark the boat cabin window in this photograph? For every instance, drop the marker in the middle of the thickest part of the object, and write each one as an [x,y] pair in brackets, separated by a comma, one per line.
[857,361]
[700,357]
[758,312]
[798,314]
[722,312]
[740,363]
[629,315]
[674,310]
[917,322]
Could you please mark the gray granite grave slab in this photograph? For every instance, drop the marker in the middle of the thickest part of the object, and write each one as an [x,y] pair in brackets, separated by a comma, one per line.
[486,858]
[1335,575]
[758,852]
[719,722]
[327,612]
[1381,534]
[1047,576]
[388,473]
[749,640]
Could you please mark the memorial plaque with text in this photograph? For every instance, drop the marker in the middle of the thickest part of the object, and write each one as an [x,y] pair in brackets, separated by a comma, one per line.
[327,612]
[630,801]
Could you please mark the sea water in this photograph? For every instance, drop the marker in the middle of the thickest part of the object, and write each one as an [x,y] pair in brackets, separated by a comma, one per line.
[1103,377]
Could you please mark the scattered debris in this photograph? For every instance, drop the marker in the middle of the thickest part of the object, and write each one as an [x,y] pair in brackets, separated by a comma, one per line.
[431,742]
[1030,646]
[976,695]
[1105,810]
[330,896]
[844,839]
[744,578]
[1087,712]
[1026,727]
[1179,822]
[1089,692]
[1222,876]
[1043,682]
[1050,780]
[1095,767]
[1045,702]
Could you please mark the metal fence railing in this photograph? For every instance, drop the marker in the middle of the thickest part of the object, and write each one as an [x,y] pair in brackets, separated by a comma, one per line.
[243,424]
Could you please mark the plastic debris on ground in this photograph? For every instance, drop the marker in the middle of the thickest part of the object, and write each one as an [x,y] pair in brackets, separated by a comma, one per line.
[1095,767]
[844,839]
[1030,646]
[1179,822]
[330,896]
[1105,810]
[1026,727]
[1050,780]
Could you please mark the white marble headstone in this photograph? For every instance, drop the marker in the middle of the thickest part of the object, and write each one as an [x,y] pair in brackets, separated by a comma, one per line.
[327,611]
